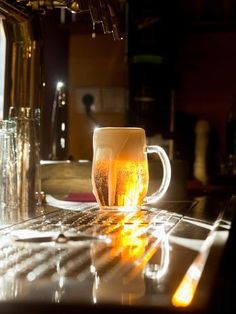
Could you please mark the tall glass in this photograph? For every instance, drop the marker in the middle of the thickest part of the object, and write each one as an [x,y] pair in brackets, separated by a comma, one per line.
[8,171]
[120,168]
[28,162]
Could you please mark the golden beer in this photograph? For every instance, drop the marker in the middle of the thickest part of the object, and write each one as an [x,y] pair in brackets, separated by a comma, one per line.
[120,169]
[120,183]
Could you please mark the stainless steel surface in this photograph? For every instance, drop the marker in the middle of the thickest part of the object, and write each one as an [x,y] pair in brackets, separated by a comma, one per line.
[23,77]
[61,238]
[142,265]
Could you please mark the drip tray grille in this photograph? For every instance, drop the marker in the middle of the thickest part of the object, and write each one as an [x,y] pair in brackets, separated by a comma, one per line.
[110,244]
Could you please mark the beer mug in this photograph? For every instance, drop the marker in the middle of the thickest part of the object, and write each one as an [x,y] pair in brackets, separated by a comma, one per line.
[120,168]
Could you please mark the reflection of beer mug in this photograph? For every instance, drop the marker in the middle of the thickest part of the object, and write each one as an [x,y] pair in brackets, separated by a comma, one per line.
[112,282]
[158,265]
[120,168]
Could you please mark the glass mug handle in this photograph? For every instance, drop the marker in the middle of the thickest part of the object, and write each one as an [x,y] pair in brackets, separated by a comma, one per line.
[166,174]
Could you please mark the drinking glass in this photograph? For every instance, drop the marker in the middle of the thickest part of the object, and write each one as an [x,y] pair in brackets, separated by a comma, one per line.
[27,160]
[8,172]
[120,168]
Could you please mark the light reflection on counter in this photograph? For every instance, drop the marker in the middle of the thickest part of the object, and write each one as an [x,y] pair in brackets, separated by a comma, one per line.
[185,292]
[187,288]
[131,252]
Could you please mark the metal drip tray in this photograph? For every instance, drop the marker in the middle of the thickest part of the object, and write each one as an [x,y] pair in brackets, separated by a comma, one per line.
[117,242]
[89,256]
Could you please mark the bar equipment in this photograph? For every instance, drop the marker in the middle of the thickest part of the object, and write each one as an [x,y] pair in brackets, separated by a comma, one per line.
[24,59]
[140,269]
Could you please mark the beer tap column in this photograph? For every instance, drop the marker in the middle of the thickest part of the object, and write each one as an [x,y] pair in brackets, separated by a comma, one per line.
[22,99]
[24,81]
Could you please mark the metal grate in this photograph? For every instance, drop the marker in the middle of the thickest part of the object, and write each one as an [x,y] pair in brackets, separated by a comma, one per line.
[127,242]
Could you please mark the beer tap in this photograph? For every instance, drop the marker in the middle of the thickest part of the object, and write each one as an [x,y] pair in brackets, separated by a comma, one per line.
[106,12]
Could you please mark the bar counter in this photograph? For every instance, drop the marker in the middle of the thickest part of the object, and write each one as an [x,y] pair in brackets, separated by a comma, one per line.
[164,259]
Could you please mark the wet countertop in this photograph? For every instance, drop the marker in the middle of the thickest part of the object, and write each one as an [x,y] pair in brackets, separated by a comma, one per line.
[165,257]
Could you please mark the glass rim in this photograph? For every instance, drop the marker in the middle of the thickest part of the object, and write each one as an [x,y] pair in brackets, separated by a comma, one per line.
[7,125]
[118,128]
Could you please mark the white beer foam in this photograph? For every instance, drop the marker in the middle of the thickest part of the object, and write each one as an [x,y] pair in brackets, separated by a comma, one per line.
[122,143]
